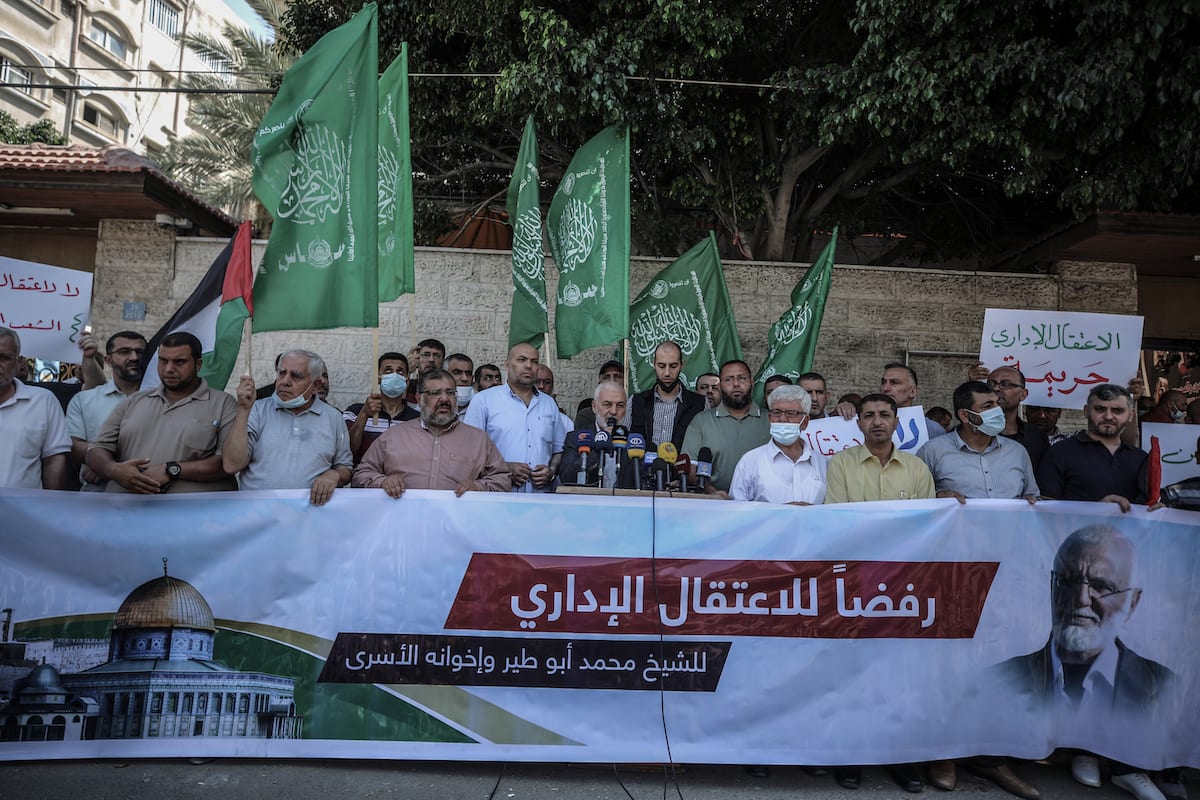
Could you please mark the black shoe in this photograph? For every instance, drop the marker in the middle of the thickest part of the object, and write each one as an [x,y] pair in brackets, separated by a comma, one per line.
[758,770]
[907,778]
[816,772]
[848,777]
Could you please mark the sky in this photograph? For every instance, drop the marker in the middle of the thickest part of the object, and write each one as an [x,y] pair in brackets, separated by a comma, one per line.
[244,11]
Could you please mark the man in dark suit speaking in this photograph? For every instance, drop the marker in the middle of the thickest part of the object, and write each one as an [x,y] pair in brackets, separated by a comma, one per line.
[1085,666]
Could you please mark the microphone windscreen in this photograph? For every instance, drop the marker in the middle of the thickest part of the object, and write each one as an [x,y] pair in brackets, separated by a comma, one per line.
[601,441]
[704,463]
[583,441]
[636,445]
[620,437]
[683,463]
[668,452]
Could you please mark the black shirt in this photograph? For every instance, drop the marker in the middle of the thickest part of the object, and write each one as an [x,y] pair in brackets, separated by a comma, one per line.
[1033,440]
[1081,468]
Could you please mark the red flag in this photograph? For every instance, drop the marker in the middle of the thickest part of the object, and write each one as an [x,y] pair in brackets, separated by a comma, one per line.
[1154,473]
[239,274]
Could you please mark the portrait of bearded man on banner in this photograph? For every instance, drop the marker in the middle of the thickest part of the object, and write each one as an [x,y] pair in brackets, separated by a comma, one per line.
[1085,668]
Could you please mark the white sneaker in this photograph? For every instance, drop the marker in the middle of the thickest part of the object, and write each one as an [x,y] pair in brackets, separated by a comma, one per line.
[1086,770]
[1139,785]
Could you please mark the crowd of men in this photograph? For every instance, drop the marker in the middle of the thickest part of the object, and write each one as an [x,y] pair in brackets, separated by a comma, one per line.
[443,423]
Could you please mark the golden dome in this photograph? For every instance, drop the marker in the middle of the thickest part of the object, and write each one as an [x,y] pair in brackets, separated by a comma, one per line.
[165,602]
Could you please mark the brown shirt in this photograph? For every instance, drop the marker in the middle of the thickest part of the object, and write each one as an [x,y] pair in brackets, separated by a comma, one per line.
[147,425]
[434,461]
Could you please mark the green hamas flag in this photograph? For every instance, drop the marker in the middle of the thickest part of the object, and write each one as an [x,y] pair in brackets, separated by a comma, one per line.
[588,226]
[315,157]
[793,339]
[528,321]
[396,273]
[686,303]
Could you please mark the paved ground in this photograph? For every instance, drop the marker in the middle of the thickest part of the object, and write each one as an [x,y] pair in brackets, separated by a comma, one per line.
[234,779]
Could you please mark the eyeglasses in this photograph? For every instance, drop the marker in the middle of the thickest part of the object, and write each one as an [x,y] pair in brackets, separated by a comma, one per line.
[790,416]
[1005,385]
[128,351]
[440,392]
[1098,588]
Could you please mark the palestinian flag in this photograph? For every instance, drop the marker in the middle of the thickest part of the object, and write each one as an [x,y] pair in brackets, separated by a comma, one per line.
[214,314]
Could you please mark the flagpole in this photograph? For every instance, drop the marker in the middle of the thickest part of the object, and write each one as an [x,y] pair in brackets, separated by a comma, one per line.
[247,335]
[625,360]
[375,360]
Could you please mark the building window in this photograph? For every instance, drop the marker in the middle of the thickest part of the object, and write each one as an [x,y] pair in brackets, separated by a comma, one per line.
[103,121]
[107,39]
[165,17]
[60,95]
[11,73]
[67,9]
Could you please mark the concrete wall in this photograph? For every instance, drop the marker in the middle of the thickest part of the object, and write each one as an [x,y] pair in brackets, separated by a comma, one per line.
[874,314]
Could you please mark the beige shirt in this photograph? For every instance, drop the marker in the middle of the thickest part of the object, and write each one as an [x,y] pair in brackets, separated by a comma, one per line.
[854,476]
[147,425]
[427,460]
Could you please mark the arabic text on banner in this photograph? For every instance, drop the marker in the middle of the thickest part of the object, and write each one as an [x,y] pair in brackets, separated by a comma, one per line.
[1062,354]
[47,307]
[583,628]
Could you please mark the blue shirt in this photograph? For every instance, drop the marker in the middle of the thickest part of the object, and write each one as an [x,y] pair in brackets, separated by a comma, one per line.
[289,451]
[1002,471]
[524,434]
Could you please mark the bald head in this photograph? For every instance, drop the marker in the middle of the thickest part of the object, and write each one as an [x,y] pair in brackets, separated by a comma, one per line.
[521,366]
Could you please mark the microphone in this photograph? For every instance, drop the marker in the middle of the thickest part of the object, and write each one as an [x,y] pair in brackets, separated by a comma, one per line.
[620,440]
[668,452]
[602,444]
[610,423]
[659,468]
[703,467]
[583,443]
[683,466]
[636,447]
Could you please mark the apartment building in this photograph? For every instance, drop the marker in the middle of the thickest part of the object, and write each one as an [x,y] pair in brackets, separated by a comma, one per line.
[118,51]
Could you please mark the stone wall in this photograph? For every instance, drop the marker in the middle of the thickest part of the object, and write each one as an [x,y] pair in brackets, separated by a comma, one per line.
[874,314]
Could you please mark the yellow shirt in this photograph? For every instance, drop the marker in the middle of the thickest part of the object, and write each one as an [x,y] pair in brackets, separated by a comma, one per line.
[856,475]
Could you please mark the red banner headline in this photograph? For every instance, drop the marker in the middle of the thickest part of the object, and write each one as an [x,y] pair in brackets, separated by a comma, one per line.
[803,599]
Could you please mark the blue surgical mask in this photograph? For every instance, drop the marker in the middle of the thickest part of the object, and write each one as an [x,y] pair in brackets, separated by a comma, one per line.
[465,393]
[1178,414]
[991,420]
[295,402]
[785,433]
[393,384]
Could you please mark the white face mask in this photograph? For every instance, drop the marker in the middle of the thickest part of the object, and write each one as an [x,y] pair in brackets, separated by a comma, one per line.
[1178,414]
[785,432]
[465,393]
[991,421]
[295,402]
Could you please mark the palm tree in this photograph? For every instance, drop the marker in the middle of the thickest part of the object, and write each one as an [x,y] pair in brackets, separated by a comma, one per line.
[214,160]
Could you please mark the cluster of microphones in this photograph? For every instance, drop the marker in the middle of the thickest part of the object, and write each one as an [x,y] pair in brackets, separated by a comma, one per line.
[659,467]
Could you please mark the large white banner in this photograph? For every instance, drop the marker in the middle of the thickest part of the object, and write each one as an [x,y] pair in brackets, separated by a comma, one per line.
[585,628]
[1062,354]
[47,307]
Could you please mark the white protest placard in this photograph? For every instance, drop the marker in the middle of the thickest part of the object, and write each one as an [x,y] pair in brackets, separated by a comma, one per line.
[47,307]
[1062,354]
[1176,447]
[830,435]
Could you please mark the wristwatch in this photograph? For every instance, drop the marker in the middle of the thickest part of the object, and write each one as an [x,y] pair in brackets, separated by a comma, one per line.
[174,471]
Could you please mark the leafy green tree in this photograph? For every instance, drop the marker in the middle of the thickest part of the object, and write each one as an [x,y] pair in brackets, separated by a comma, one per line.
[12,132]
[214,160]
[963,126]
